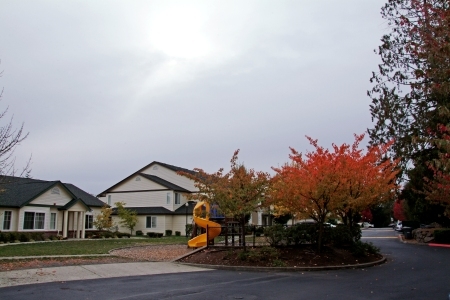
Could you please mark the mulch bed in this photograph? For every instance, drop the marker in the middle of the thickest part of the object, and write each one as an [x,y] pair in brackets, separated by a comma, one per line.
[303,256]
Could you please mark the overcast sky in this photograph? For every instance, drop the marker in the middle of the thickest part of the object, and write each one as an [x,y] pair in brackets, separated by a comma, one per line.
[106,87]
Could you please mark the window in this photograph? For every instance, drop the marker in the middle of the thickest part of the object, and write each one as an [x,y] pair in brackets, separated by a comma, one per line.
[7,220]
[150,222]
[109,199]
[89,224]
[53,221]
[55,191]
[168,198]
[177,198]
[33,220]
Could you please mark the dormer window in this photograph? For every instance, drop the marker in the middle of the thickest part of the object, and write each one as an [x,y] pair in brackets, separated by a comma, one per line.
[55,191]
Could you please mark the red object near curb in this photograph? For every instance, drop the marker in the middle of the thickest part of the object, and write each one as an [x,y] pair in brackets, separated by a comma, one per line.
[439,245]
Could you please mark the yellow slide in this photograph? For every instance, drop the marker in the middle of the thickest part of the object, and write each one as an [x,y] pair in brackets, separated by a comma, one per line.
[214,228]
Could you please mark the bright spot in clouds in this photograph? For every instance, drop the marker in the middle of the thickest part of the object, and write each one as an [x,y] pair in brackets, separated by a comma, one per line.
[177,32]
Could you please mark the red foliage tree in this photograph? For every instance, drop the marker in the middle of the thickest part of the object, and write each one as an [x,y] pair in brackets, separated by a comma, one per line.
[399,210]
[366,215]
[323,182]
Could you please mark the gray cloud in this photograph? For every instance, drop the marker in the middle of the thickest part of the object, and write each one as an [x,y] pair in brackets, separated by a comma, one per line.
[106,87]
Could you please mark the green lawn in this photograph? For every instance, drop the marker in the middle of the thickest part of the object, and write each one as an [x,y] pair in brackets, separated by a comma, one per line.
[100,246]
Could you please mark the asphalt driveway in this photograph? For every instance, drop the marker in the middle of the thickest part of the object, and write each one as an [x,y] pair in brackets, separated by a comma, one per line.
[411,272]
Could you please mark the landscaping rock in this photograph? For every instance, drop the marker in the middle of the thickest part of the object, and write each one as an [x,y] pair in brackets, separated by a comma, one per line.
[423,235]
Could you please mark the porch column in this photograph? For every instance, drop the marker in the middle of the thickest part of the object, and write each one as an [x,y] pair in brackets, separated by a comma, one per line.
[83,224]
[65,223]
[75,223]
[79,225]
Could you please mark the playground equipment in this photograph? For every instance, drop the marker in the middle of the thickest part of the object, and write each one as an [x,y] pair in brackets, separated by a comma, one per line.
[213,228]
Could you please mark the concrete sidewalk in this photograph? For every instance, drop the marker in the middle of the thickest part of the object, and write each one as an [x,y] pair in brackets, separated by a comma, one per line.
[83,272]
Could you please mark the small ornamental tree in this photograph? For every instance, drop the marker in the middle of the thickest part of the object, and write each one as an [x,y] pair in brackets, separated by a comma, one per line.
[103,220]
[322,182]
[367,179]
[128,218]
[308,185]
[236,193]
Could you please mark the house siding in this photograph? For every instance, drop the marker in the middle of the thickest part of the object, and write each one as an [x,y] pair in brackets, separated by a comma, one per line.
[14,218]
[132,185]
[141,225]
[45,210]
[171,176]
[48,198]
[142,199]
[179,223]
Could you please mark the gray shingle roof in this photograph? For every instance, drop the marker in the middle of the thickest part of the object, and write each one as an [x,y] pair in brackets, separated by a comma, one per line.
[174,168]
[171,167]
[18,191]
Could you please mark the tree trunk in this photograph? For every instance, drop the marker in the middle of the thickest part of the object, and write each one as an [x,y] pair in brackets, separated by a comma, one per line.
[243,232]
[320,237]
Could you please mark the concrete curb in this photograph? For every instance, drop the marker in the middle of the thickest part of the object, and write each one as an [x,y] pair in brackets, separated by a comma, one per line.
[439,245]
[286,269]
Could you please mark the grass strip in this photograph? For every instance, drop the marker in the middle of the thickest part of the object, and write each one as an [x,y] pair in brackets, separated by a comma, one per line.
[100,246]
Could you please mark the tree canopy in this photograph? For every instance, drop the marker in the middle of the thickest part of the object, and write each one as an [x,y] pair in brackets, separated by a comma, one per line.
[410,97]
[340,181]
[128,218]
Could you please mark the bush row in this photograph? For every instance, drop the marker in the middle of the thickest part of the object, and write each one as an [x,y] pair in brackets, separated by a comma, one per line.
[308,233]
[154,234]
[12,237]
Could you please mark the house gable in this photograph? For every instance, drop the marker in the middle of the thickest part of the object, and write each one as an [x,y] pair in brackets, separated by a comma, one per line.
[167,173]
[56,195]
[137,183]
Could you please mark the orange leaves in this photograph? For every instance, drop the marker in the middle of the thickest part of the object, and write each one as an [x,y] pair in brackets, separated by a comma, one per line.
[237,192]
[324,181]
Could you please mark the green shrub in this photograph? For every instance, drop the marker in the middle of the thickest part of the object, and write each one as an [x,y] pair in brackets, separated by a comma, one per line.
[106,234]
[37,236]
[24,237]
[154,234]
[177,233]
[123,234]
[278,263]
[13,237]
[442,236]
[168,232]
[251,255]
[275,234]
[268,253]
[363,249]
[139,233]
[188,229]
[4,237]
[299,234]
[341,235]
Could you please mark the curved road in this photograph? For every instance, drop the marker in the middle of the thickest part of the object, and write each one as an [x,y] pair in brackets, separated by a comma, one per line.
[411,272]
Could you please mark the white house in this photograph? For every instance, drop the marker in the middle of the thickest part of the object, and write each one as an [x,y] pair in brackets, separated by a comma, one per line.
[158,195]
[50,207]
